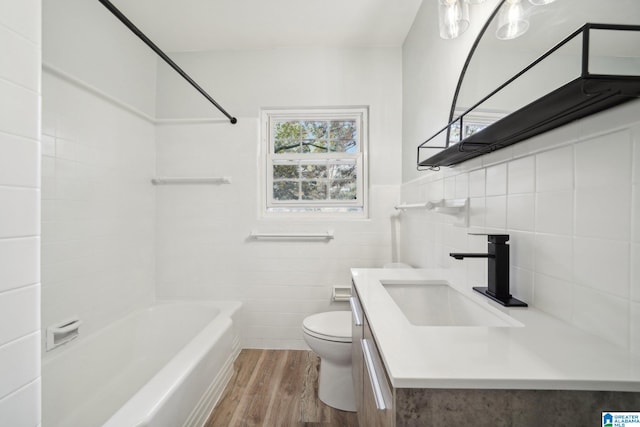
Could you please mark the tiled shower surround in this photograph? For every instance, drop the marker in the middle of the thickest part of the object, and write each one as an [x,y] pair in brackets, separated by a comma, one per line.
[570,200]
[20,53]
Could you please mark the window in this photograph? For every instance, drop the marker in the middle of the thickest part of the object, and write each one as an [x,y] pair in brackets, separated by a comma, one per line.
[315,160]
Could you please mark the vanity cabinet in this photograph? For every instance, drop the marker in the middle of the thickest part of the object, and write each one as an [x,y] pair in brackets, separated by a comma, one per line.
[379,404]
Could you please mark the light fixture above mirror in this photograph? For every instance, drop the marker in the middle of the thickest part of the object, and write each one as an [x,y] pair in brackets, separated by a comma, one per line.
[512,21]
[453,18]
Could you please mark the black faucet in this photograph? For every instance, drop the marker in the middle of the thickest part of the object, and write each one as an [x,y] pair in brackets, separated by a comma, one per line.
[498,271]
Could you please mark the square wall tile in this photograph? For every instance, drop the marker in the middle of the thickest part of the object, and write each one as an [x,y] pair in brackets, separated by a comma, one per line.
[604,161]
[602,265]
[477,181]
[19,363]
[554,256]
[435,190]
[521,212]
[477,207]
[554,213]
[522,175]
[522,247]
[19,262]
[20,116]
[603,212]
[496,212]
[19,161]
[554,296]
[450,187]
[521,284]
[602,314]
[20,60]
[20,212]
[554,170]
[462,186]
[21,307]
[496,180]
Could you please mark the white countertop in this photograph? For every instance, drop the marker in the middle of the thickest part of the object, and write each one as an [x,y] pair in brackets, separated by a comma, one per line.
[543,354]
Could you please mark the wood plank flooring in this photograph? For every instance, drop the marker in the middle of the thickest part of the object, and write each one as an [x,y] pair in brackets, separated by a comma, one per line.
[276,388]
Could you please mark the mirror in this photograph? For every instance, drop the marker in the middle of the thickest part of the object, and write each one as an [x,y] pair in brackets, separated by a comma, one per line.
[495,60]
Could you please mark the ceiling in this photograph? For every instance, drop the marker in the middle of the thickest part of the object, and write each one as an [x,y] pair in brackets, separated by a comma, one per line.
[198,25]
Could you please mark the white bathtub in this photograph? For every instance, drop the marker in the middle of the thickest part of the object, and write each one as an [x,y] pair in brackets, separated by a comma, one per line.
[162,366]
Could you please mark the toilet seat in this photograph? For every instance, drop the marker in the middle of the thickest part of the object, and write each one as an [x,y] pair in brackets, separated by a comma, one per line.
[329,326]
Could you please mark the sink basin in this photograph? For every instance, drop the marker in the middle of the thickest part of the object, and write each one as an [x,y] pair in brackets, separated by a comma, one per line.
[438,304]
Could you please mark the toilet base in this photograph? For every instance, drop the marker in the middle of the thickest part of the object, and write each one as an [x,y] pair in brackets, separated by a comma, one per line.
[335,386]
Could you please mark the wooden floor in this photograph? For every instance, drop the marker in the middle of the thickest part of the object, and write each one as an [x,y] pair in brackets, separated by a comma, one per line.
[275,388]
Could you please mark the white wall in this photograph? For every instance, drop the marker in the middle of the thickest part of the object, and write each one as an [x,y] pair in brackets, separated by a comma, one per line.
[98,206]
[20,57]
[202,245]
[569,198]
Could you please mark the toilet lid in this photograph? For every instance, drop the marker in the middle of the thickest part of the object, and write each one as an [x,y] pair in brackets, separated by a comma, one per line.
[332,326]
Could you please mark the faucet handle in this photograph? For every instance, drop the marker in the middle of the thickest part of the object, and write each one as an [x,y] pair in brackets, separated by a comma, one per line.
[499,239]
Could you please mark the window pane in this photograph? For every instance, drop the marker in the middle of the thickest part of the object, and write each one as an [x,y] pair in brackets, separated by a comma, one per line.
[285,171]
[343,146]
[314,171]
[343,171]
[315,134]
[343,190]
[315,129]
[314,190]
[287,137]
[342,136]
[285,190]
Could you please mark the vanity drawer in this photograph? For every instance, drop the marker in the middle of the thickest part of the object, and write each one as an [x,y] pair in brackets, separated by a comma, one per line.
[378,400]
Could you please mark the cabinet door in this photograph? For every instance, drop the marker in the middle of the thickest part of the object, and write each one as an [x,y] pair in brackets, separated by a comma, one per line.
[357,358]
[378,402]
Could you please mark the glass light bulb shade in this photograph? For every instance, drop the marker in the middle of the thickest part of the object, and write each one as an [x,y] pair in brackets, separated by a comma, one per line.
[540,2]
[453,18]
[512,22]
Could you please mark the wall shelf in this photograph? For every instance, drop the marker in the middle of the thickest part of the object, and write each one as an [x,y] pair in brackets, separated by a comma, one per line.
[191,180]
[255,235]
[585,95]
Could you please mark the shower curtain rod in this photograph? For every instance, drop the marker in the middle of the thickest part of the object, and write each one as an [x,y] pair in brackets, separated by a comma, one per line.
[161,54]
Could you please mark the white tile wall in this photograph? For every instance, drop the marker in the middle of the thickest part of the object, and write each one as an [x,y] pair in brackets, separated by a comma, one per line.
[554,170]
[19,213]
[521,175]
[203,250]
[572,208]
[98,219]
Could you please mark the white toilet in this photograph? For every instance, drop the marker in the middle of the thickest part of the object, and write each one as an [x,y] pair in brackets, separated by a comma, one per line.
[329,336]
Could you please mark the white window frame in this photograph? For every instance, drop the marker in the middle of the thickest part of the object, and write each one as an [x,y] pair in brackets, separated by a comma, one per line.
[357,208]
